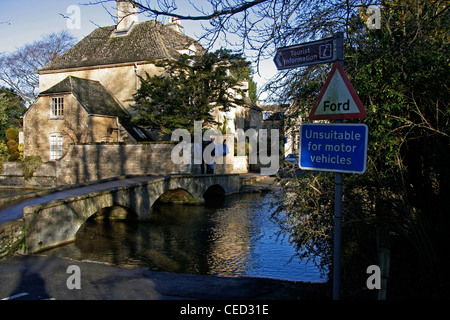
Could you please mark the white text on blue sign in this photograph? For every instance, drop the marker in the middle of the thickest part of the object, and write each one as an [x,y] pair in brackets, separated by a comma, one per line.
[333,147]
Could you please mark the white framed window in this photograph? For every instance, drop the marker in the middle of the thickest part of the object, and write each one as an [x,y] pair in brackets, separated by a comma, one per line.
[57,107]
[56,146]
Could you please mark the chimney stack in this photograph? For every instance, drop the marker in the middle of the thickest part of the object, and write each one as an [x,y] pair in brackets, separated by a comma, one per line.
[175,24]
[127,16]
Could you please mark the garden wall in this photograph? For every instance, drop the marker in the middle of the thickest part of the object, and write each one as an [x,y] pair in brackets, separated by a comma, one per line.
[95,161]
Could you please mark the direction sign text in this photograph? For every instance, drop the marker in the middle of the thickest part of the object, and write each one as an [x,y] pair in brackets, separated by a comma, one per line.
[305,54]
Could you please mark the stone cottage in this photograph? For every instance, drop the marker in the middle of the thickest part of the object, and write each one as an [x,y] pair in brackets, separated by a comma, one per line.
[86,94]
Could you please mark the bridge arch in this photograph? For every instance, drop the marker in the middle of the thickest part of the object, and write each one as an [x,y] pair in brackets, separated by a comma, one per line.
[176,196]
[55,222]
[115,212]
[214,191]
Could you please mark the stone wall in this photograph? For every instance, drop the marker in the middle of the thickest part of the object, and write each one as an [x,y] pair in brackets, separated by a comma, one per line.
[12,238]
[44,176]
[239,165]
[89,162]
[96,161]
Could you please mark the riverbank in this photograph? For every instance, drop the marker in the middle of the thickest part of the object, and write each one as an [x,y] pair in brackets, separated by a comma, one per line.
[11,208]
[44,277]
[256,183]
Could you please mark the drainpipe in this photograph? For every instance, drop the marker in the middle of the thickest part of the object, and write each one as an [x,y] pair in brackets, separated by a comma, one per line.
[136,76]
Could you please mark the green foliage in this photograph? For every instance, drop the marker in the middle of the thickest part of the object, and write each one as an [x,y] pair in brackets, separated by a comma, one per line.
[3,154]
[30,165]
[401,73]
[305,210]
[188,89]
[12,144]
[12,109]
[15,156]
[13,147]
[12,134]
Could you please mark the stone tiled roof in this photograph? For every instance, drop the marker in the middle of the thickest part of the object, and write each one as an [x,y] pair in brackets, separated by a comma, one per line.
[146,41]
[95,99]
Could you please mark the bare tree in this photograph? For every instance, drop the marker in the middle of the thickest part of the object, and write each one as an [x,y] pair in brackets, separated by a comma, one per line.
[18,69]
[257,27]
[258,24]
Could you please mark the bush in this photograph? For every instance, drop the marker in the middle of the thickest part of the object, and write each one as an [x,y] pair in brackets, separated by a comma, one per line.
[3,154]
[29,166]
[14,156]
[13,147]
[12,134]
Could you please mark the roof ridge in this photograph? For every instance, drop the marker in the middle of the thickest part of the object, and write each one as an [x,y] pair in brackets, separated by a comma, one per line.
[147,41]
[163,45]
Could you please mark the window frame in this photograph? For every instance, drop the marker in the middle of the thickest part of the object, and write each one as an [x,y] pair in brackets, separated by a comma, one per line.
[57,107]
[56,146]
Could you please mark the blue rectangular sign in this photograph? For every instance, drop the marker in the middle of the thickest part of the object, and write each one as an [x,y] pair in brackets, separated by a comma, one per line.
[337,147]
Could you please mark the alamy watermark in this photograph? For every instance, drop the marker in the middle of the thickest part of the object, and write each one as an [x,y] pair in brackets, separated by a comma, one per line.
[74,280]
[73,17]
[190,151]
[374,280]
[372,14]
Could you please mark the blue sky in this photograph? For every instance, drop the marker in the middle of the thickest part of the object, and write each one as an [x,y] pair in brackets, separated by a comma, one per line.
[26,21]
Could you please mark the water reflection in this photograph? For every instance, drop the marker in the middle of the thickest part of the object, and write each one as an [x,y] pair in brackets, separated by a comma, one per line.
[232,237]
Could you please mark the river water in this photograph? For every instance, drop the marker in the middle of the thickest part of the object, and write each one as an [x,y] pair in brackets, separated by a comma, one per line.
[234,236]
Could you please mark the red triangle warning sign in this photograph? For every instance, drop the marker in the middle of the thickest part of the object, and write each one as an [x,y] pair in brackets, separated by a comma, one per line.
[337,98]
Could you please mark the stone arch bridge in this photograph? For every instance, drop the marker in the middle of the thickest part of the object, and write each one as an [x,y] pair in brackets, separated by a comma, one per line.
[55,222]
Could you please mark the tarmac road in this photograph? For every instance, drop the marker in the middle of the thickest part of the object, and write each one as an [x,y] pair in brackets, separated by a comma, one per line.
[42,277]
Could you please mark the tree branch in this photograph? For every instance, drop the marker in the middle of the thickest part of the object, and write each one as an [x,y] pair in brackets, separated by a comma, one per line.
[226,11]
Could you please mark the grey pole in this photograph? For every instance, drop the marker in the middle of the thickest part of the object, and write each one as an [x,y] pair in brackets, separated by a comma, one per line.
[338,181]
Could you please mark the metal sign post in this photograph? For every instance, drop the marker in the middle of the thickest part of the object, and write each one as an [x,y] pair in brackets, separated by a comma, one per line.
[338,181]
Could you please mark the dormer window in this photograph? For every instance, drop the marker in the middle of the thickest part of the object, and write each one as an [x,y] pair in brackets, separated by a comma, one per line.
[57,107]
[191,51]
